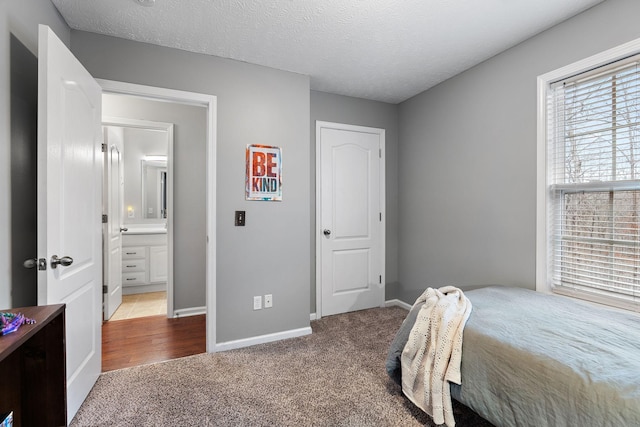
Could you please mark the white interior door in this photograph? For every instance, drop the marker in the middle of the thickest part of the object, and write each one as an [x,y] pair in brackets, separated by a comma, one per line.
[350,221]
[113,206]
[70,207]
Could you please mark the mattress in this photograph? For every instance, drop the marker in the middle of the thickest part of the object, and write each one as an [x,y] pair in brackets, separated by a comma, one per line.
[531,359]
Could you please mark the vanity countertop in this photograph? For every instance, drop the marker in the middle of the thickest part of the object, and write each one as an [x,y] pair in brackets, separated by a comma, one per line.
[145,229]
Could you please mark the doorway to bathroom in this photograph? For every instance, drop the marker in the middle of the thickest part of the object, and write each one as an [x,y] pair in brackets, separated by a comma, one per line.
[180,196]
[192,223]
[137,205]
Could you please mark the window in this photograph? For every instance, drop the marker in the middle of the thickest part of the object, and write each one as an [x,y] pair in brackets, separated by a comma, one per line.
[590,183]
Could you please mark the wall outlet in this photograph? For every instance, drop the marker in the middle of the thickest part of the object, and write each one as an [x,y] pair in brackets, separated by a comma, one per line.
[257,302]
[268,301]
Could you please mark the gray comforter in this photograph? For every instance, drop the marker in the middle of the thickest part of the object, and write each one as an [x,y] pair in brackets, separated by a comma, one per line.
[531,359]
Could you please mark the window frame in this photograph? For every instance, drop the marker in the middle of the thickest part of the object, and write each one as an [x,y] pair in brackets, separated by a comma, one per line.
[544,195]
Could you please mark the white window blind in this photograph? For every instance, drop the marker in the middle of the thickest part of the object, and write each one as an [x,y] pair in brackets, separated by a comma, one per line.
[593,165]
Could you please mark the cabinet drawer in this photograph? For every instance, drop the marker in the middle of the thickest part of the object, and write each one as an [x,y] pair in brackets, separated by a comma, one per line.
[136,278]
[129,252]
[133,265]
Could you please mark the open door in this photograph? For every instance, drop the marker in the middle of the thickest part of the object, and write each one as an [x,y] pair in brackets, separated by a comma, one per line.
[113,202]
[70,207]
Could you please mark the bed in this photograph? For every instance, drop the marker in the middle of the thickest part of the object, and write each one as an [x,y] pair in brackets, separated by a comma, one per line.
[532,359]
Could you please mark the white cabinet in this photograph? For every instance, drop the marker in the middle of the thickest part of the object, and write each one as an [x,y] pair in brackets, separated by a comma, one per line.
[144,263]
[158,268]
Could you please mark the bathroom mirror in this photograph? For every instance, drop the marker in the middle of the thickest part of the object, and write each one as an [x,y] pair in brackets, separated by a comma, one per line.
[146,176]
[154,187]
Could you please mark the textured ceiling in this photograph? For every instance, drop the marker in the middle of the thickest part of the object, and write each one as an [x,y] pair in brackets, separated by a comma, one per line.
[385,50]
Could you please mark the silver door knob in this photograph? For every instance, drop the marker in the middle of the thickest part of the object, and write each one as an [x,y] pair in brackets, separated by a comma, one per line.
[65,261]
[30,263]
[41,263]
[123,229]
[327,232]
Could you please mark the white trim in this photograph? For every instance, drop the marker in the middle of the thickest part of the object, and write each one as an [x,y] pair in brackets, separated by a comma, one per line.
[389,303]
[318,229]
[135,123]
[144,289]
[210,103]
[192,311]
[383,205]
[263,339]
[541,188]
[544,81]
[598,60]
[167,127]
[397,303]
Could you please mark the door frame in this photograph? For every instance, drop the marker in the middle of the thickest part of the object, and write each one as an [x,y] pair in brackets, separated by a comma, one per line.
[210,104]
[383,208]
[166,127]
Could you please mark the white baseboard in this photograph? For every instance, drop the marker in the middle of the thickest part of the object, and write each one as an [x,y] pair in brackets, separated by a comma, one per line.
[193,311]
[390,303]
[397,303]
[262,339]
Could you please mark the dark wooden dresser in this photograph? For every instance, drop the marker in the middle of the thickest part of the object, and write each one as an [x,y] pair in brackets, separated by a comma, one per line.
[33,369]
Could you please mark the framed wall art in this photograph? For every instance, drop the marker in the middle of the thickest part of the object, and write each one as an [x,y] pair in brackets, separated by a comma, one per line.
[264,173]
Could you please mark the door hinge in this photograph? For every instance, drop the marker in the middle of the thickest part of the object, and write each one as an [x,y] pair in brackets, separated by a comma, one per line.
[104,289]
[380,216]
[105,218]
[380,280]
[380,152]
[104,148]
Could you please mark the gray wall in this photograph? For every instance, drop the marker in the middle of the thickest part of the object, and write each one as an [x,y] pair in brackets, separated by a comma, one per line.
[354,111]
[256,105]
[189,156]
[19,19]
[24,160]
[465,161]
[468,158]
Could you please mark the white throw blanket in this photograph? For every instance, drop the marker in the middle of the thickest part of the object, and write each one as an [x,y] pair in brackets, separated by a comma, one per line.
[431,358]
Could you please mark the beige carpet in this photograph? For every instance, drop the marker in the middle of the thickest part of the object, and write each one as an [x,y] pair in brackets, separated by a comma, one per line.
[333,377]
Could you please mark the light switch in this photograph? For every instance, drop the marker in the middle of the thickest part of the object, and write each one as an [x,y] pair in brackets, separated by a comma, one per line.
[240,215]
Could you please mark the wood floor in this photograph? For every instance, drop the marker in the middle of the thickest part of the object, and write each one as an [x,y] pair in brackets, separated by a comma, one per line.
[134,342]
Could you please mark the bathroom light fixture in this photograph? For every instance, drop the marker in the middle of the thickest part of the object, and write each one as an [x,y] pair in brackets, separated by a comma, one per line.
[146,3]
[155,157]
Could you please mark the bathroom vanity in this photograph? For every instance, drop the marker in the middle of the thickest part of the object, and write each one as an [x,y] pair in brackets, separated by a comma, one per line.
[144,259]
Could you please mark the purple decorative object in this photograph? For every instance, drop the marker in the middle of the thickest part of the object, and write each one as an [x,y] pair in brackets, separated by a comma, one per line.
[10,322]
